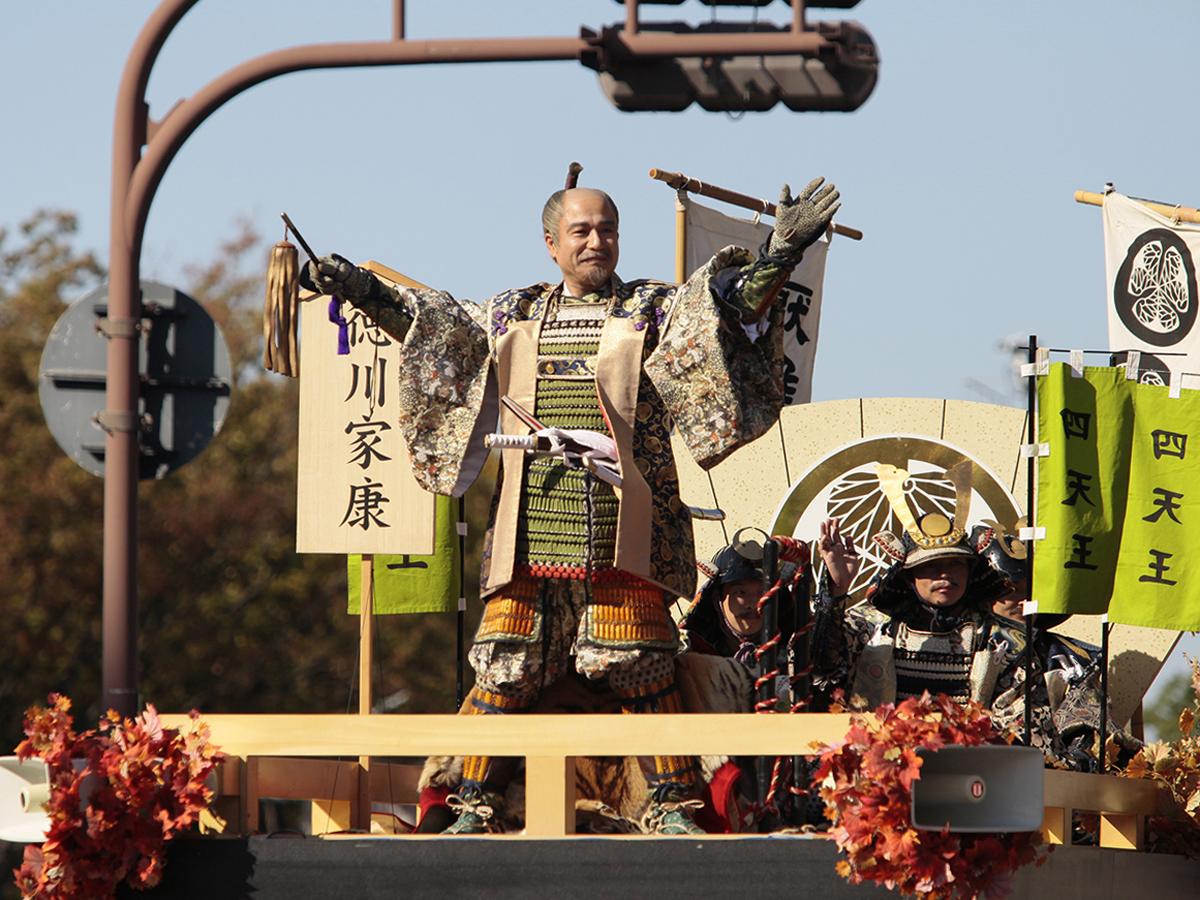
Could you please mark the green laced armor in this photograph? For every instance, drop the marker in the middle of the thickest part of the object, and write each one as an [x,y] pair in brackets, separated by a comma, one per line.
[552,530]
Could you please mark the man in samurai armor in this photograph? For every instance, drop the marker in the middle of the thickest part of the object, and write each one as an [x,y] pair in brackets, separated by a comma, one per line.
[1070,667]
[927,624]
[575,572]
[725,620]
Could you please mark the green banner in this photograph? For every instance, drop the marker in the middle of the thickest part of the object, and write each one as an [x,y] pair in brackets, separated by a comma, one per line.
[1158,578]
[1113,496]
[1081,487]
[414,584]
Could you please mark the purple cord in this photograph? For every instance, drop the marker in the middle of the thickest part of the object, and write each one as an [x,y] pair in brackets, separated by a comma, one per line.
[336,317]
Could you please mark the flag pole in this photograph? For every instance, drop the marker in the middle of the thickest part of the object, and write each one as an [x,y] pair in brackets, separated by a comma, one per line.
[1103,693]
[680,240]
[461,623]
[682,182]
[1175,213]
[361,809]
[1031,516]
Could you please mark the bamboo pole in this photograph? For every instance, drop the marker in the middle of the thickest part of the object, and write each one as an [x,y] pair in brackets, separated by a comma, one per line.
[360,817]
[682,182]
[1175,213]
[680,243]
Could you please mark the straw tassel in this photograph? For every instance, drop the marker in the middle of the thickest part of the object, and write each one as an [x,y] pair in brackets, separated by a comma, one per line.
[280,313]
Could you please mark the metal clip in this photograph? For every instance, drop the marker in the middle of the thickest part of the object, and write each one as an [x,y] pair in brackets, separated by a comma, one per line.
[118,328]
[122,422]
[1133,362]
[1028,451]
[1041,365]
[116,422]
[1076,363]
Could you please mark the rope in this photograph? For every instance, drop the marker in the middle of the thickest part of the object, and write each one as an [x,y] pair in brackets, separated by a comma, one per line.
[794,551]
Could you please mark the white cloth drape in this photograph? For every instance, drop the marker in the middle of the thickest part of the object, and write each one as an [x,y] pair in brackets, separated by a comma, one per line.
[708,231]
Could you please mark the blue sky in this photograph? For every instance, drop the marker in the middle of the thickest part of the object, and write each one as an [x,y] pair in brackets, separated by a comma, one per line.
[960,168]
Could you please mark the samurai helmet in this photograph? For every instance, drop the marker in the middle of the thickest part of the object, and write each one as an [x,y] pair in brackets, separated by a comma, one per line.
[932,535]
[742,559]
[1001,550]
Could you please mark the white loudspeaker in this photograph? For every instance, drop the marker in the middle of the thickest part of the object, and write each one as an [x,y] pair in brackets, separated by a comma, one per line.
[24,790]
[985,788]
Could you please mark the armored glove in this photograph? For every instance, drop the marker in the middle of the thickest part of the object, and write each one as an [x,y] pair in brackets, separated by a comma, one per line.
[801,221]
[337,275]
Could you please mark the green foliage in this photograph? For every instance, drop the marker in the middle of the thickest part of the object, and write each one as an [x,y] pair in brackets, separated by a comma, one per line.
[231,618]
[1162,717]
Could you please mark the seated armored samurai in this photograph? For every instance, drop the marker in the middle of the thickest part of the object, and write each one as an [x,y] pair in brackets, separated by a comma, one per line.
[586,546]
[927,624]
[724,620]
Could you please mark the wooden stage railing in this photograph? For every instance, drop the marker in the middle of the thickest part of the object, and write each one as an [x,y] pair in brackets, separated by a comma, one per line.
[264,748]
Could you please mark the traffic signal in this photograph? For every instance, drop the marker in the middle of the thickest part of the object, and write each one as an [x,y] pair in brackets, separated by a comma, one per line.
[811,4]
[839,77]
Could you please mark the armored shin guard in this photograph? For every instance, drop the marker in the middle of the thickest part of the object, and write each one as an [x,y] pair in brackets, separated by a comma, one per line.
[679,772]
[484,771]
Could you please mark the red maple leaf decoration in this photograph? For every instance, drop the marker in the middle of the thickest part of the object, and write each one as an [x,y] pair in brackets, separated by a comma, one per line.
[866,783]
[145,784]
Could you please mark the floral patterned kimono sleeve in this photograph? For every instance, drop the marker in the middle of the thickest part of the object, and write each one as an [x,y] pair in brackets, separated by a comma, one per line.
[447,391]
[722,387]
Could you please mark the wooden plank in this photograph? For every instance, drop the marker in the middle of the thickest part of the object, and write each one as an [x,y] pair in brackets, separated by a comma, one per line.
[1122,832]
[360,807]
[356,392]
[526,735]
[302,778]
[1100,793]
[330,816]
[249,823]
[549,796]
[1056,826]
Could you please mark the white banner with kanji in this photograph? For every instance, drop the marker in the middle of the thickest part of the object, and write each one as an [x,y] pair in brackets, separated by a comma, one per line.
[1152,301]
[709,231]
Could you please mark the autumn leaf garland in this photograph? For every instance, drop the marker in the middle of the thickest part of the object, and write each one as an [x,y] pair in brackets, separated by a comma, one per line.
[145,784]
[866,783]
[1175,766]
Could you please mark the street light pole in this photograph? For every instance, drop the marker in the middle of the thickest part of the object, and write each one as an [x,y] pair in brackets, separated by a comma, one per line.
[135,179]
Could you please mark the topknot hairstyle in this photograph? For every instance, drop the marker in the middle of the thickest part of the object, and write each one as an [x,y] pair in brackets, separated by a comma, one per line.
[552,211]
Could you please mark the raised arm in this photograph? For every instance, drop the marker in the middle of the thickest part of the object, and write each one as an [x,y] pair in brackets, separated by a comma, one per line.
[799,222]
[383,304]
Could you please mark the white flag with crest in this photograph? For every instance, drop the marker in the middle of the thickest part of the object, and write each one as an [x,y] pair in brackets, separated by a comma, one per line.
[1152,301]
[709,231]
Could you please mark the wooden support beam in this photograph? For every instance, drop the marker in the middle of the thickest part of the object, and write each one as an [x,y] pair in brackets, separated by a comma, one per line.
[360,807]
[1056,826]
[334,734]
[249,823]
[549,796]
[330,816]
[550,745]
[681,272]
[1100,793]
